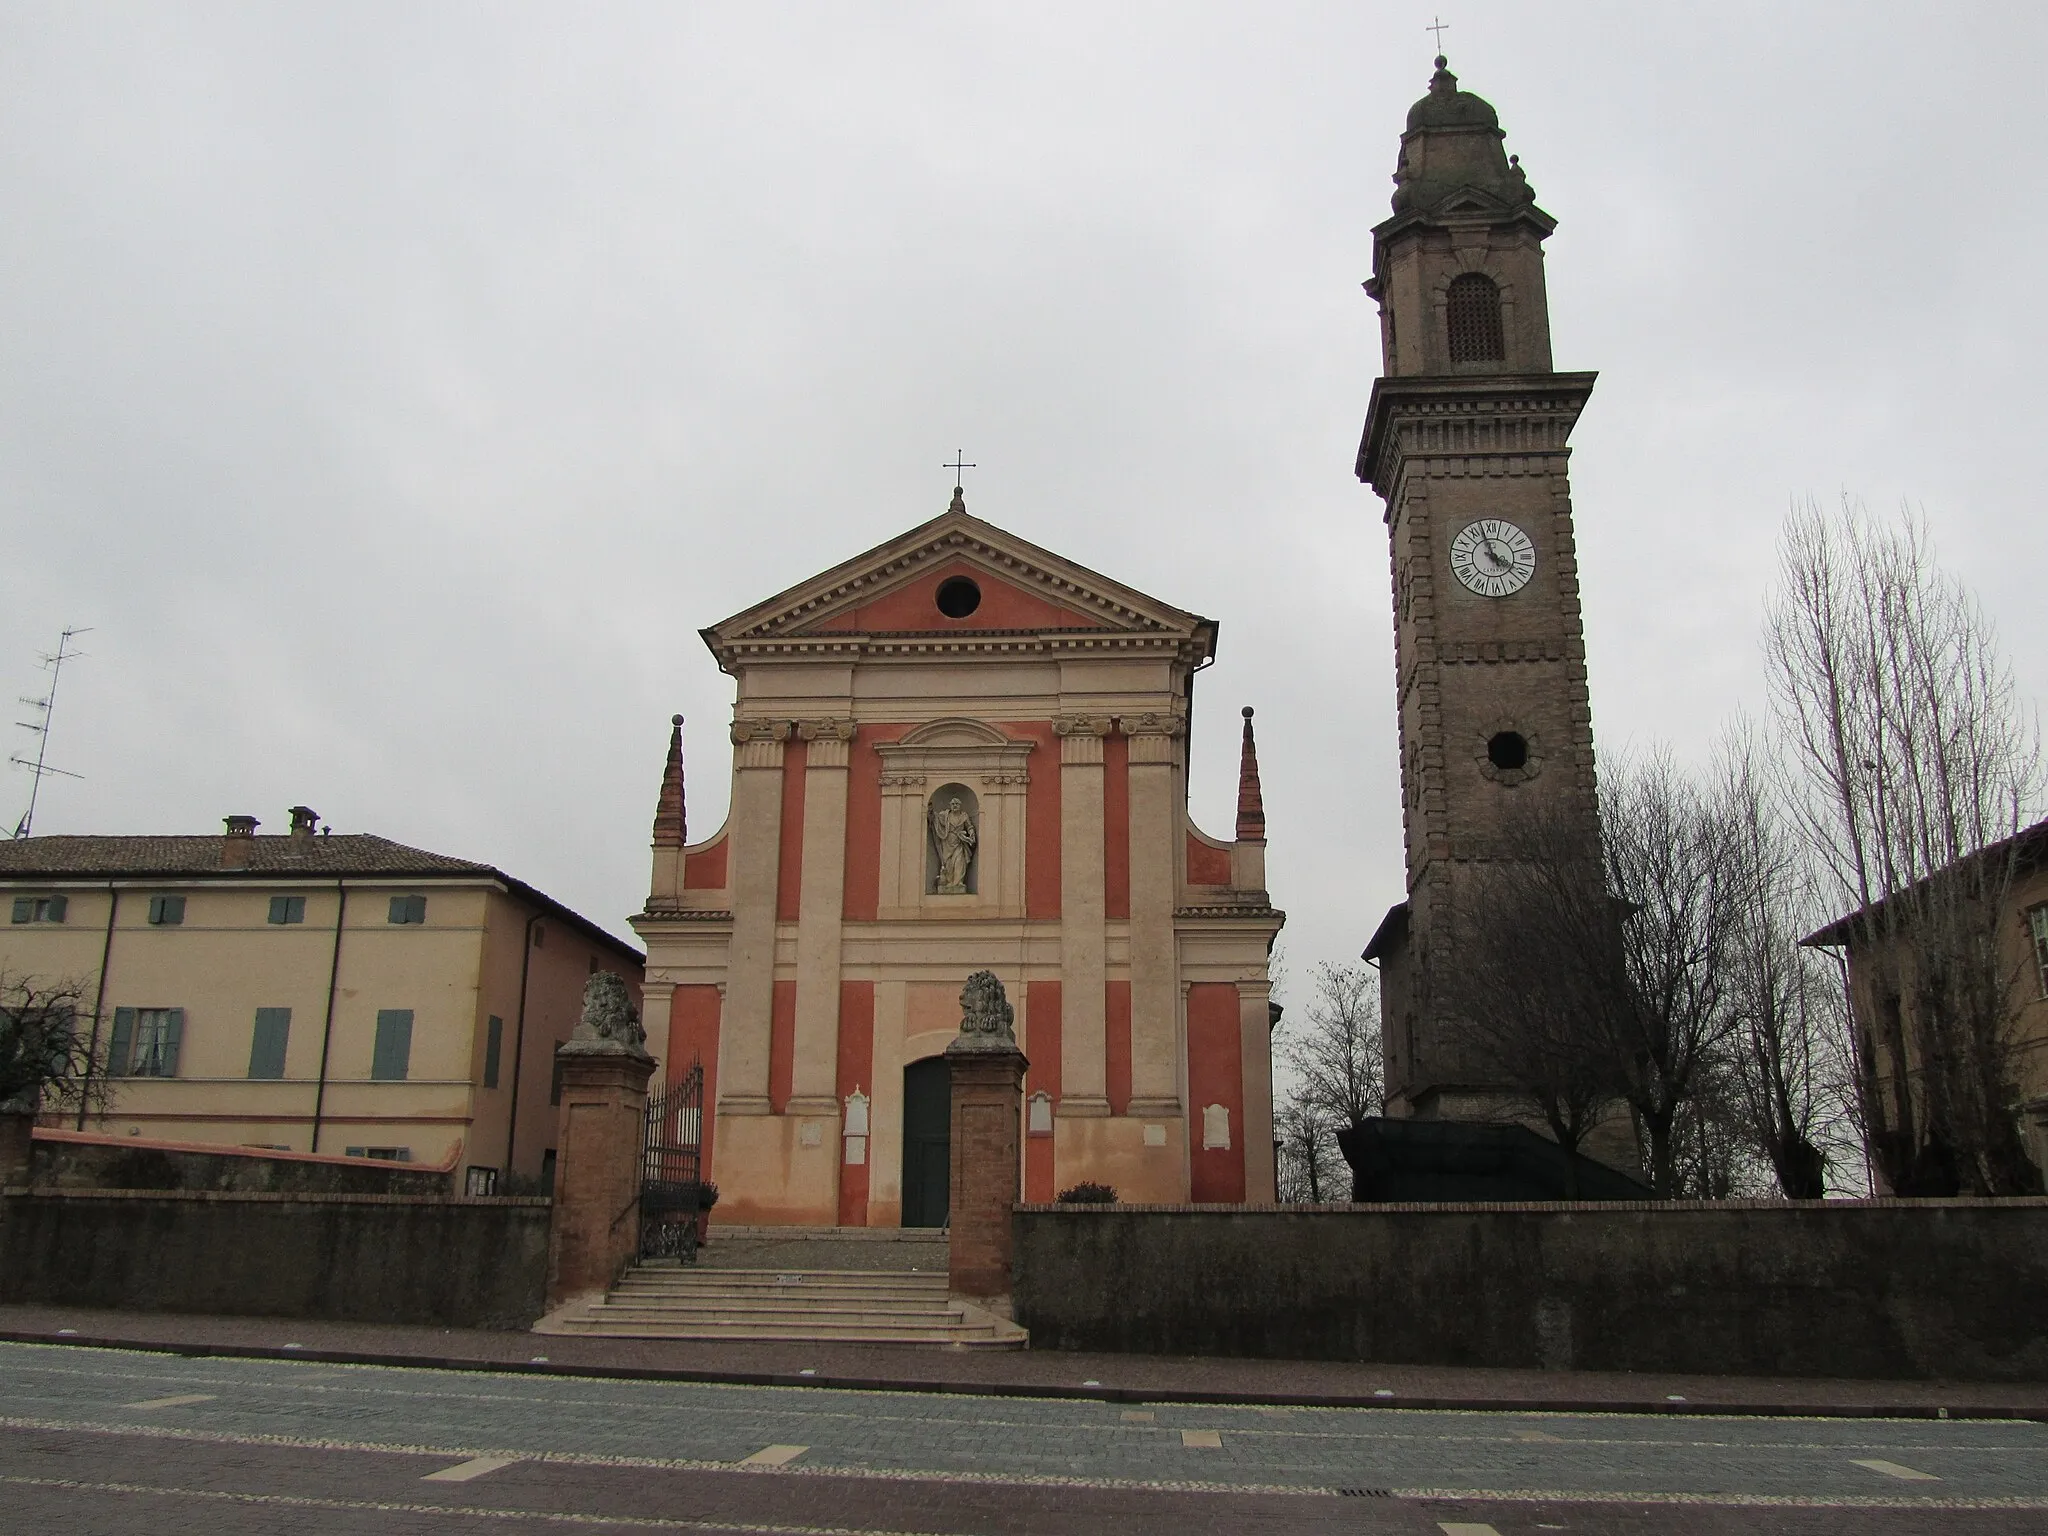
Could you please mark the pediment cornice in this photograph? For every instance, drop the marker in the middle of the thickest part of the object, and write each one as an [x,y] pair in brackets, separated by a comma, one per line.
[1106,614]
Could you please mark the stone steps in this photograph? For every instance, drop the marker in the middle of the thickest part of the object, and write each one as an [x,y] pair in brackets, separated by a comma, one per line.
[841,1306]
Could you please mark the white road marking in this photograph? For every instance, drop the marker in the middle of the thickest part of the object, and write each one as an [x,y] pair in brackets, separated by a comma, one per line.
[1457,1528]
[1893,1469]
[465,1471]
[173,1402]
[1201,1439]
[1536,1437]
[774,1456]
[1139,1416]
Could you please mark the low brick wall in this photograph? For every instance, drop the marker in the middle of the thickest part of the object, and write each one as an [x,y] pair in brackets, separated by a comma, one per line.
[458,1263]
[1954,1289]
[84,1160]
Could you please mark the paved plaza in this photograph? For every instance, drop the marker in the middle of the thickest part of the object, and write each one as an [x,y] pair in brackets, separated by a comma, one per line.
[120,1440]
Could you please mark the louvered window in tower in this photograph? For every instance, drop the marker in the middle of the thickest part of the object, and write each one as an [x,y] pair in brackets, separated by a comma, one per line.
[1474,310]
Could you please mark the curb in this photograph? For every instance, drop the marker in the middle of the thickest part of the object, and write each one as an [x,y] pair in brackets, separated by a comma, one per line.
[1704,1408]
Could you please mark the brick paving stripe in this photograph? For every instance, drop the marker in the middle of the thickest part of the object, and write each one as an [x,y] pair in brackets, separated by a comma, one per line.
[467,1471]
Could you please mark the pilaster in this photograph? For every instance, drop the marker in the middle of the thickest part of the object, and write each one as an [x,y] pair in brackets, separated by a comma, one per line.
[821,907]
[1155,747]
[1084,968]
[756,838]
[1255,1031]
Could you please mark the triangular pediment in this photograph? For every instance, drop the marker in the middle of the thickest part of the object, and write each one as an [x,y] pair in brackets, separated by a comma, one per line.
[912,586]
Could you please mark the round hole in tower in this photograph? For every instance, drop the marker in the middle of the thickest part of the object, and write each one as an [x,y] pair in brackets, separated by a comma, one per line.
[1508,751]
[958,597]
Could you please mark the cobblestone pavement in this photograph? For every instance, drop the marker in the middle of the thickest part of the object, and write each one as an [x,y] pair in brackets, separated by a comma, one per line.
[110,1440]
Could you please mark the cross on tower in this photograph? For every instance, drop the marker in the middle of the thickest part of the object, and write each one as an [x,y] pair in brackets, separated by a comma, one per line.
[1439,27]
[959,463]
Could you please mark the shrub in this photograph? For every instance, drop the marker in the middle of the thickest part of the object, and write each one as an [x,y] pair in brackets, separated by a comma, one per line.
[1087,1194]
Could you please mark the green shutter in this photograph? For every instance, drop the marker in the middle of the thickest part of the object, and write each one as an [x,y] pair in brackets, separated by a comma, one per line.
[174,1033]
[267,1046]
[415,909]
[494,1048]
[280,906]
[122,1044]
[24,909]
[392,1054]
[59,905]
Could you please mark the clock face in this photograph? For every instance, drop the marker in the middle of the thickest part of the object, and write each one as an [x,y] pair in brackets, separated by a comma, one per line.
[1493,557]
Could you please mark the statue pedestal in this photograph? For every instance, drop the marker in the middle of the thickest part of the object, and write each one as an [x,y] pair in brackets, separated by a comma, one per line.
[988,1101]
[595,1232]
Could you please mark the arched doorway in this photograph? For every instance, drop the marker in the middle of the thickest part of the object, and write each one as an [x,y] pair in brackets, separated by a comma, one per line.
[927,1142]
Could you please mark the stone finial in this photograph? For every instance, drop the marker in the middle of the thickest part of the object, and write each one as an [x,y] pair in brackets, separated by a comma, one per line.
[671,827]
[1251,804]
[608,1017]
[987,1021]
[959,503]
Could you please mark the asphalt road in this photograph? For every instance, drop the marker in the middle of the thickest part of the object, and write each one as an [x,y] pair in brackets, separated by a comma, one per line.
[121,1441]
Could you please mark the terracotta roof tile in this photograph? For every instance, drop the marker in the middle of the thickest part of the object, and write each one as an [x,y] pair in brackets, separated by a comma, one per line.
[357,853]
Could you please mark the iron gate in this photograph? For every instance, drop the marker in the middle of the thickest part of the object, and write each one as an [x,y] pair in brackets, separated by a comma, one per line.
[671,1186]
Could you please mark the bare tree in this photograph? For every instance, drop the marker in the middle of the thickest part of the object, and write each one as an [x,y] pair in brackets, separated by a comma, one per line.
[1668,859]
[1918,764]
[1539,979]
[1311,1169]
[46,1060]
[1335,1058]
[1336,1076]
[1789,1076]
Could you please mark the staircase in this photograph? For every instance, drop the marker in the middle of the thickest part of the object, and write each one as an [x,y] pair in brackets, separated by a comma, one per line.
[877,1294]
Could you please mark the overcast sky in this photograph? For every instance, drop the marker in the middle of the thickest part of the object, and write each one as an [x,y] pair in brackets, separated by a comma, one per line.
[397,389]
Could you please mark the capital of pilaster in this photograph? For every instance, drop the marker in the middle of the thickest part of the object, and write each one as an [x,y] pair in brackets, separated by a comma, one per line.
[758,743]
[1154,723]
[1083,725]
[830,741]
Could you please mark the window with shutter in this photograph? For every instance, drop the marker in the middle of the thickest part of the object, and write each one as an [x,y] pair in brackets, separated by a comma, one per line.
[55,908]
[166,911]
[287,909]
[408,909]
[267,1045]
[24,909]
[494,1046]
[392,1054]
[121,1049]
[1472,311]
[157,1034]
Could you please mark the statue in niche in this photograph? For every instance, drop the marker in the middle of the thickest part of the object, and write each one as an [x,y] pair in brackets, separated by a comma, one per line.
[953,839]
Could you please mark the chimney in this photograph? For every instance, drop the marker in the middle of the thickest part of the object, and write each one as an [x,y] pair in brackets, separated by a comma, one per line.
[235,847]
[304,820]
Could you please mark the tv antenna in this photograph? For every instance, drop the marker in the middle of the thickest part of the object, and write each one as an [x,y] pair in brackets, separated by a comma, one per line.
[38,766]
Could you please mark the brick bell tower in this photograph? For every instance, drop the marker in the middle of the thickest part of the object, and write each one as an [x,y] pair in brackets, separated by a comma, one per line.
[1466,442]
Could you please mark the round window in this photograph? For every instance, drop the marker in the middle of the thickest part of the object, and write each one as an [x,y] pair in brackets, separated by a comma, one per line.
[1508,751]
[958,597]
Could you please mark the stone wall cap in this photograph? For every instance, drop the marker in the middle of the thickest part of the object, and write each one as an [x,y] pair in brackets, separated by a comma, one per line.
[270,1197]
[1539,1207]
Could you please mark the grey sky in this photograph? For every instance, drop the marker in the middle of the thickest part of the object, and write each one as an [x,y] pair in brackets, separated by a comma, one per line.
[397,389]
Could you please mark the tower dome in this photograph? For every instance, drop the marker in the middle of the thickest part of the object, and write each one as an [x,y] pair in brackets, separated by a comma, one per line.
[1453,143]
[1448,107]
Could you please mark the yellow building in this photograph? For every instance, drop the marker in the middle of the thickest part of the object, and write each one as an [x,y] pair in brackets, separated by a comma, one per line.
[310,992]
[1883,1000]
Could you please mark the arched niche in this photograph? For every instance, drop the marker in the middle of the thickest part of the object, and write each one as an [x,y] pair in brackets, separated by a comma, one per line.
[989,771]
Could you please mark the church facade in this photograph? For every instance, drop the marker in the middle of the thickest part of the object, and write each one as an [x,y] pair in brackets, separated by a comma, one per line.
[958,752]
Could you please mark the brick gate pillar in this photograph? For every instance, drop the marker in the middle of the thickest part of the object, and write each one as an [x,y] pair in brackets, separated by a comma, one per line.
[17,1144]
[598,1147]
[988,1099]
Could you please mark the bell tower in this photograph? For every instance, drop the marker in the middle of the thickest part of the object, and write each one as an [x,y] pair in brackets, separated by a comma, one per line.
[1466,443]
